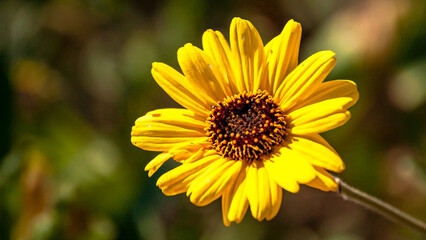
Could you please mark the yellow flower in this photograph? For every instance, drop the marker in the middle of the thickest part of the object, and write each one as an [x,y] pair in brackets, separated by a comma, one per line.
[251,124]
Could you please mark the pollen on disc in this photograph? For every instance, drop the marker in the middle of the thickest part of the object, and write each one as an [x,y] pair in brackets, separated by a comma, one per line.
[246,126]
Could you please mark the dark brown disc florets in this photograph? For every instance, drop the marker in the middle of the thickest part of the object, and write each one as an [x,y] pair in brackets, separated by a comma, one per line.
[246,126]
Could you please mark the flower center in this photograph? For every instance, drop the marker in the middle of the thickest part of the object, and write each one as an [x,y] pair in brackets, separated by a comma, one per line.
[246,126]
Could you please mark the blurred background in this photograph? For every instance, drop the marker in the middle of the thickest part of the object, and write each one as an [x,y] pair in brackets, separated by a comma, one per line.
[75,75]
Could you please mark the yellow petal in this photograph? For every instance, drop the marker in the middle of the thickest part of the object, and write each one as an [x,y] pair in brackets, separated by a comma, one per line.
[201,154]
[160,144]
[270,46]
[293,163]
[276,198]
[259,190]
[305,79]
[320,117]
[189,151]
[282,176]
[324,181]
[317,152]
[156,163]
[226,204]
[179,88]
[249,59]
[283,54]
[329,90]
[212,183]
[162,129]
[239,203]
[174,121]
[180,178]
[215,44]
[205,76]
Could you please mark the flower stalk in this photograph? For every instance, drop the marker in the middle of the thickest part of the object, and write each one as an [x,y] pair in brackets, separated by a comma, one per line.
[352,194]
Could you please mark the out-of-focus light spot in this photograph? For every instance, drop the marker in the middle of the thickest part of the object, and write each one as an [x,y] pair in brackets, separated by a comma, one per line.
[69,18]
[404,174]
[137,55]
[103,228]
[407,90]
[102,78]
[361,31]
[35,79]
[37,197]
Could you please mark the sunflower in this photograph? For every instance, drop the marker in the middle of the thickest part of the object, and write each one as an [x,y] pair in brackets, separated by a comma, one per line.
[251,121]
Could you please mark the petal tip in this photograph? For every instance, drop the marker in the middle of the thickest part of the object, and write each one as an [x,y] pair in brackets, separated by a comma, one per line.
[236,19]
[341,168]
[295,25]
[240,22]
[159,182]
[329,53]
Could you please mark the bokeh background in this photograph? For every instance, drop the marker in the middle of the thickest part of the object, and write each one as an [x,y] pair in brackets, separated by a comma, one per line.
[75,75]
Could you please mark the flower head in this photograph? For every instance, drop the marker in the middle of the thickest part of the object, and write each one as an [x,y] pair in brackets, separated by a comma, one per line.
[251,122]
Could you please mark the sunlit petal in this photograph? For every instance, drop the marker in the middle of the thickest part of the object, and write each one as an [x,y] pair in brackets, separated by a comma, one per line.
[317,152]
[206,78]
[305,79]
[214,181]
[249,55]
[180,178]
[283,53]
[179,88]
[156,163]
[239,203]
[320,117]
[215,44]
[324,181]
[162,129]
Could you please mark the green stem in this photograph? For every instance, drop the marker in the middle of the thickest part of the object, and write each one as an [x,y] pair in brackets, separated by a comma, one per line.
[352,194]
